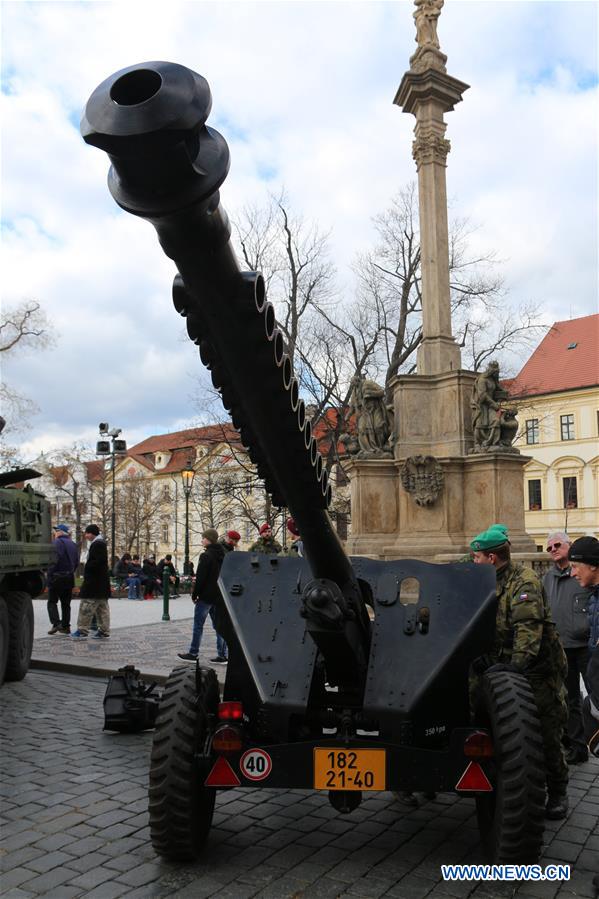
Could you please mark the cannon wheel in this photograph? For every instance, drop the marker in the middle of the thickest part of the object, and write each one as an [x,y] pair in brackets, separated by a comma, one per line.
[181,807]
[511,819]
[4,632]
[20,641]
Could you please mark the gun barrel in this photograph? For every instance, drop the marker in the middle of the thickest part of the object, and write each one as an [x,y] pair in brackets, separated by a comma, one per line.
[167,167]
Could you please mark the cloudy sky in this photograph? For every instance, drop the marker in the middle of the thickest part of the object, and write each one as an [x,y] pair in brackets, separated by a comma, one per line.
[303,94]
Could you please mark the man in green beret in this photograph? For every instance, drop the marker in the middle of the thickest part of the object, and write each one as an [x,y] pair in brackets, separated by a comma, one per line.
[526,641]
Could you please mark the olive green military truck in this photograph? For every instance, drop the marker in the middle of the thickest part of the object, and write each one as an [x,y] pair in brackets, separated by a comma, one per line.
[25,552]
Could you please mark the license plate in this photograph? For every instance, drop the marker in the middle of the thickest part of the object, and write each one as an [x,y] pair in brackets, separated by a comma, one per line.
[349,769]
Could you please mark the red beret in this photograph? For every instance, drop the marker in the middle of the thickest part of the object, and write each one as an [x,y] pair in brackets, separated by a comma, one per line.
[233,535]
[292,527]
[265,527]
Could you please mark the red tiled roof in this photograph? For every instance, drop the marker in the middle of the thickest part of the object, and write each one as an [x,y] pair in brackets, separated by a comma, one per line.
[211,435]
[95,469]
[553,367]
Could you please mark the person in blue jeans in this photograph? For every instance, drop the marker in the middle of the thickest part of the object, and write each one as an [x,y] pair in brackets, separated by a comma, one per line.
[206,597]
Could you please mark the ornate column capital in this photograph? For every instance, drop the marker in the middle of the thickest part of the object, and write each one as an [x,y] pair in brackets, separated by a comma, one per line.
[430,147]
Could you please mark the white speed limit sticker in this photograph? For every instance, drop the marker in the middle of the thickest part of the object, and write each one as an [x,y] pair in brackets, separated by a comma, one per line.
[255,764]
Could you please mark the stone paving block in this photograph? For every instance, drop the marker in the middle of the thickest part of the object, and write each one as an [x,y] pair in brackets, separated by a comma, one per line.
[368,887]
[92,878]
[55,841]
[108,890]
[285,887]
[542,889]
[50,860]
[141,875]
[15,877]
[290,855]
[587,861]
[63,892]
[237,891]
[324,888]
[89,861]
[411,888]
[19,857]
[18,893]
[198,889]
[50,879]
[62,823]
[317,838]
[19,840]
[564,851]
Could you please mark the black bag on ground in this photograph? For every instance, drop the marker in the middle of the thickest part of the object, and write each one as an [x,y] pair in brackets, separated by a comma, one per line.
[130,705]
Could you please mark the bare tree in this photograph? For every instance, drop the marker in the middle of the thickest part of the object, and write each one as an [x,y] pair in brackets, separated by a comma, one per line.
[389,285]
[22,327]
[68,473]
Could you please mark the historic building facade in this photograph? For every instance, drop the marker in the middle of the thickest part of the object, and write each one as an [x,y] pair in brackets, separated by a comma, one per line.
[557,394]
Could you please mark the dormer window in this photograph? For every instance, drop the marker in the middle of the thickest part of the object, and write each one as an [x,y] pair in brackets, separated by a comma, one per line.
[572,346]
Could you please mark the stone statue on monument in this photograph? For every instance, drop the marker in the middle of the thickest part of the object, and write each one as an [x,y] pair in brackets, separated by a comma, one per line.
[374,424]
[493,423]
[425,15]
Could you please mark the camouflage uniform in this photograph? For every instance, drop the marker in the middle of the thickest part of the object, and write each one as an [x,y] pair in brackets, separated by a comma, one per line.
[526,637]
[266,545]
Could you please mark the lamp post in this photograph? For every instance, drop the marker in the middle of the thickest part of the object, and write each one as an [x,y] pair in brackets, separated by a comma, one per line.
[112,448]
[187,476]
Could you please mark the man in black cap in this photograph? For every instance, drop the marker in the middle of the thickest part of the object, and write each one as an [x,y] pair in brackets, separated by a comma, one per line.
[584,556]
[206,597]
[61,580]
[95,589]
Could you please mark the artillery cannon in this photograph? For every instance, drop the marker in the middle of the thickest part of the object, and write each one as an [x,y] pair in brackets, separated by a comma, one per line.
[318,692]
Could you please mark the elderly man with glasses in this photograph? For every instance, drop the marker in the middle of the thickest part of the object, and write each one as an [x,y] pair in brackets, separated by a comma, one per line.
[569,607]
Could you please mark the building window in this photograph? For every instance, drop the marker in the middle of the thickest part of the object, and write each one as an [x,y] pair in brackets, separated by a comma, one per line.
[342,480]
[534,495]
[570,493]
[567,426]
[165,533]
[53,509]
[66,509]
[166,491]
[248,486]
[532,430]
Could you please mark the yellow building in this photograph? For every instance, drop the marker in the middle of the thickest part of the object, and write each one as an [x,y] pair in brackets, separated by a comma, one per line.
[557,394]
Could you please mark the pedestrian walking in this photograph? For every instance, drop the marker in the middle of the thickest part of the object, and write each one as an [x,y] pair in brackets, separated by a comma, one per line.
[569,607]
[207,598]
[266,543]
[95,590]
[61,580]
[526,642]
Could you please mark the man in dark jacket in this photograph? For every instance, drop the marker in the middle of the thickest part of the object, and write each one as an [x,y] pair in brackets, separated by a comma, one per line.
[569,608]
[153,584]
[61,580]
[206,596]
[95,589]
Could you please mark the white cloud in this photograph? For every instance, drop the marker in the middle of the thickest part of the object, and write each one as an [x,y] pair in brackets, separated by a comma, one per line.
[303,93]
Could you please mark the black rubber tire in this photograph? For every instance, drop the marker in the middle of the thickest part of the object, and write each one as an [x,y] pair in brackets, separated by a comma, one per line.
[180,806]
[20,643]
[511,820]
[4,636]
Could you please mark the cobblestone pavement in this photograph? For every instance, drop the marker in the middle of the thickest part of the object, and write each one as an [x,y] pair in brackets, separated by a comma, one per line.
[74,823]
[151,647]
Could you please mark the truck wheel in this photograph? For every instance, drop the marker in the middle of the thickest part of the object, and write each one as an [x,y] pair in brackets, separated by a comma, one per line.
[181,807]
[4,632]
[20,642]
[511,819]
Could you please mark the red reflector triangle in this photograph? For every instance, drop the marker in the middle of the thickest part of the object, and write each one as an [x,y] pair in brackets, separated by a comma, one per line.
[222,775]
[474,778]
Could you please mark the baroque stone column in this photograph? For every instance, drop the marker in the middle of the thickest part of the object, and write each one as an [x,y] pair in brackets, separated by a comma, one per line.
[427,91]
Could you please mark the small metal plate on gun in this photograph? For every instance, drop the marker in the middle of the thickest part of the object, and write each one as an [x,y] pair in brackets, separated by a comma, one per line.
[349,769]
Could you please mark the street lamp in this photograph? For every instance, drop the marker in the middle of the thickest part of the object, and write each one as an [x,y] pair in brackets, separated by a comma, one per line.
[111,448]
[187,476]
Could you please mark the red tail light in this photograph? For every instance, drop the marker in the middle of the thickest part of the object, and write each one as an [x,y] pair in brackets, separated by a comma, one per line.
[478,746]
[474,780]
[230,711]
[227,739]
